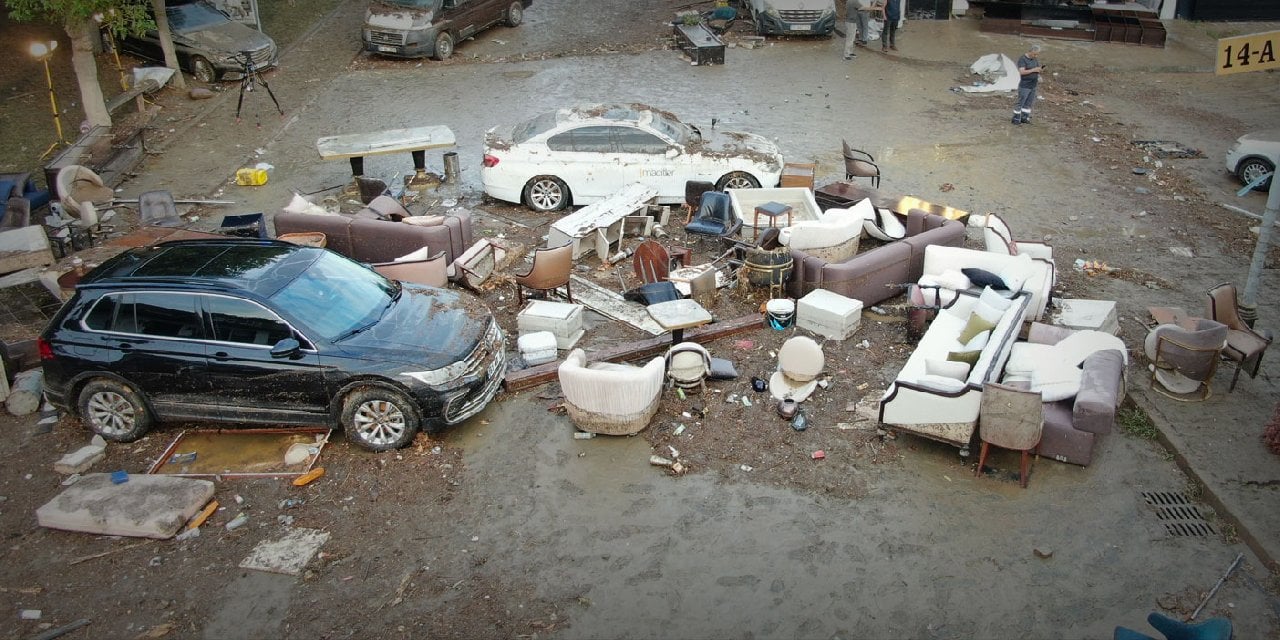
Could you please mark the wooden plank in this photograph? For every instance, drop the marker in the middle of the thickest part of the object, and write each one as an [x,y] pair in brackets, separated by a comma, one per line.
[544,373]
[612,305]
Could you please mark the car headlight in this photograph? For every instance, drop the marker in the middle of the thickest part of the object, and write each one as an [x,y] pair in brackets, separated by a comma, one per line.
[773,13]
[828,12]
[437,377]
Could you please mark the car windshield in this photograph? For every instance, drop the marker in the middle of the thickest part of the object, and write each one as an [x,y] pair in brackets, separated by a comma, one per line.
[531,128]
[336,296]
[193,17]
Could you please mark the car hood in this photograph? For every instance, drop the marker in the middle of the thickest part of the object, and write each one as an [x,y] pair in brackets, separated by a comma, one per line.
[426,328]
[735,143]
[229,38]
[1268,136]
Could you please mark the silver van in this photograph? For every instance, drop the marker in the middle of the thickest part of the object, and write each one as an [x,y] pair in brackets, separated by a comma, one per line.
[794,17]
[419,28]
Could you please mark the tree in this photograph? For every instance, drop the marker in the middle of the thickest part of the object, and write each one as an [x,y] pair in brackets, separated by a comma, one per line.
[81,20]
[166,42]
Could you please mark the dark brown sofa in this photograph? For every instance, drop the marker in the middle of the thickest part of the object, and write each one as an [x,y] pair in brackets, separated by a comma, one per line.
[371,241]
[866,276]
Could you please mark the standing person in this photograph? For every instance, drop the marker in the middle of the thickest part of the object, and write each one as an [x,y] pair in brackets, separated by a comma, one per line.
[892,15]
[1029,68]
[850,27]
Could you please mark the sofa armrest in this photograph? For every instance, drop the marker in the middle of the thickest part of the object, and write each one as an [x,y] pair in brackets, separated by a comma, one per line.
[1038,250]
[1041,333]
[1100,392]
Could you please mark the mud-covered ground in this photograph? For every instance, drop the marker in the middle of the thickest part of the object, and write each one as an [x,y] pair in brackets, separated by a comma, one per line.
[508,527]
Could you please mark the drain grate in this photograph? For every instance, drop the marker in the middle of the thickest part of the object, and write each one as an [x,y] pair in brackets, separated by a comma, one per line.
[1177,514]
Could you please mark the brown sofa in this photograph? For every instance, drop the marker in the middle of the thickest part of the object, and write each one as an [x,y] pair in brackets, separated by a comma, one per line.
[867,276]
[369,240]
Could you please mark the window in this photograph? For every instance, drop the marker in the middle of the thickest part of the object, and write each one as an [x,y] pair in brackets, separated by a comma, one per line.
[236,320]
[584,139]
[167,315]
[103,313]
[637,141]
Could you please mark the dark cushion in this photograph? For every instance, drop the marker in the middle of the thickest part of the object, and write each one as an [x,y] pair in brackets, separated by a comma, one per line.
[982,278]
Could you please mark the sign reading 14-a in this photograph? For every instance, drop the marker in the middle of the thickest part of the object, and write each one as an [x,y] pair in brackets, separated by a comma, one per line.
[1256,52]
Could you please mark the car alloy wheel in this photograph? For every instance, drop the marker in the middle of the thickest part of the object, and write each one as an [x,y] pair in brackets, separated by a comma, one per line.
[1252,169]
[444,46]
[379,419]
[546,193]
[203,70]
[737,180]
[515,14]
[114,411]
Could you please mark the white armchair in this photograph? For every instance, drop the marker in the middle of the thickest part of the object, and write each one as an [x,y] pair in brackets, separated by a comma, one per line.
[608,398]
[999,239]
[834,237]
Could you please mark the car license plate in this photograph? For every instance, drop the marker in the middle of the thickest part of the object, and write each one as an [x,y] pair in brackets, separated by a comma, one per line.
[799,27]
[385,49]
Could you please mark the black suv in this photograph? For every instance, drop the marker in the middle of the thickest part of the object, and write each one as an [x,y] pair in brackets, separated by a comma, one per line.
[261,331]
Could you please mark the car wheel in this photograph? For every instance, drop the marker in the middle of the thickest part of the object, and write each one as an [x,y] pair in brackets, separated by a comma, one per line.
[203,70]
[379,419]
[737,180]
[1250,169]
[113,410]
[515,14]
[546,193]
[444,46]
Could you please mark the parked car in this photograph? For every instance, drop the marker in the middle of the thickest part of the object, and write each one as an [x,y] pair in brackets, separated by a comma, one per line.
[584,154]
[793,17]
[209,44]
[261,331]
[1254,155]
[418,28]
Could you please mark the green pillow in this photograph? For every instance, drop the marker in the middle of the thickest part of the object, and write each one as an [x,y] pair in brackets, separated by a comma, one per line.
[977,324]
[970,357]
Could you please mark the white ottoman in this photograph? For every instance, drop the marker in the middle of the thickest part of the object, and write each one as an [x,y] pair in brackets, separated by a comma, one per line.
[828,314]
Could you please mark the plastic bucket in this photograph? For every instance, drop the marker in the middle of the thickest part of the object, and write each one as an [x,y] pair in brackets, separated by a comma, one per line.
[780,313]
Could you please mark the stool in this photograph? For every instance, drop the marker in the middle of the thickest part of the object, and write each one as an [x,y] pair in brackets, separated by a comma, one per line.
[771,210]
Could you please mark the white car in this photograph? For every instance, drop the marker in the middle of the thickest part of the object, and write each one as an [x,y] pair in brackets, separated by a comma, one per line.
[585,154]
[1253,155]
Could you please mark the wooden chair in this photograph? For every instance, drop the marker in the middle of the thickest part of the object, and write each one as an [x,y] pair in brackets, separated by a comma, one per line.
[1010,418]
[1244,345]
[550,271]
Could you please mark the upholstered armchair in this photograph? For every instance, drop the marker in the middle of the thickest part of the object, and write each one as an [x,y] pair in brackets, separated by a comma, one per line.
[1185,356]
[715,216]
[1244,345]
[432,271]
[551,269]
[833,238]
[999,239]
[860,164]
[688,364]
[77,185]
[608,398]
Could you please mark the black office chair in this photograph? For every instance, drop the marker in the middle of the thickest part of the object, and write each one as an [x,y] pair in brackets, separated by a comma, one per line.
[715,216]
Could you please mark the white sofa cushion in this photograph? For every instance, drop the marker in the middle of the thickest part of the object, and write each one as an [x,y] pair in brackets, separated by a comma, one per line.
[944,384]
[946,368]
[1074,348]
[1056,381]
[1025,357]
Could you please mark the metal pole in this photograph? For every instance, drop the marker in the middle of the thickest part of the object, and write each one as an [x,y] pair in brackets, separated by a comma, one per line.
[53,101]
[1249,305]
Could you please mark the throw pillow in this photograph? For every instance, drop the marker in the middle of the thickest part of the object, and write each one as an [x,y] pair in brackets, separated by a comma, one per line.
[946,368]
[1056,381]
[941,383]
[990,298]
[988,312]
[1014,278]
[976,324]
[1074,348]
[984,278]
[977,343]
[421,254]
[423,221]
[971,357]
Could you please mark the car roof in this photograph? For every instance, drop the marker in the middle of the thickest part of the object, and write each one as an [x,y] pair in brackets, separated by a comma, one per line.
[259,267]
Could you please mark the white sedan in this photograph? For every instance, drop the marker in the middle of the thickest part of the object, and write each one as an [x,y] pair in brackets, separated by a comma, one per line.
[1255,155]
[585,154]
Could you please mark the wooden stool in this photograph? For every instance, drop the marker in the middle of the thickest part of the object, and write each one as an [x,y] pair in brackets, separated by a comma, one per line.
[771,210]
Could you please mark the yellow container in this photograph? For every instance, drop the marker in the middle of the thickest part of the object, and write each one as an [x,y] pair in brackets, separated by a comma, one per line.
[251,177]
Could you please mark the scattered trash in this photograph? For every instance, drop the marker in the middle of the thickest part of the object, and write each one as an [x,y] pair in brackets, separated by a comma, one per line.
[746,402]
[745,467]
[71,479]
[204,514]
[865,344]
[677,467]
[1185,252]
[824,383]
[731,398]
[583,435]
[686,414]
[1091,267]
[1138,171]
[239,500]
[659,461]
[679,429]
[237,522]
[285,520]
[289,503]
[1043,554]
[674,452]
[187,535]
[306,478]
[1167,149]
[119,477]
[818,455]
[181,458]
[155,561]
[800,422]
[787,408]
[680,392]
[946,187]
[30,614]
[759,385]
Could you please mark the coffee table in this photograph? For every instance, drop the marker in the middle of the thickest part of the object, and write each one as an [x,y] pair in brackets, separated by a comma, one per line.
[677,315]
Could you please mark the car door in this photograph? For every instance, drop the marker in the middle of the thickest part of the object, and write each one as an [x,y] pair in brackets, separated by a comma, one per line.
[653,161]
[465,16]
[584,157]
[245,378]
[157,339]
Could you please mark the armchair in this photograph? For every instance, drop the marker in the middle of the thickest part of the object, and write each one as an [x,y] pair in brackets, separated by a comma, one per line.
[432,272]
[16,214]
[833,238]
[1009,418]
[157,208]
[21,186]
[715,216]
[610,399]
[688,364]
[860,164]
[78,184]
[1185,356]
[1244,345]
[551,269]
[999,239]
[693,190]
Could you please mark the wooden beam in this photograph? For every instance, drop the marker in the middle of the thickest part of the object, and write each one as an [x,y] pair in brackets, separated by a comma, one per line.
[544,373]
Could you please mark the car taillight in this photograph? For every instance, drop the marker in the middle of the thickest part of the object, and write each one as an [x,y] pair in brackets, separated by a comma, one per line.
[45,349]
[490,161]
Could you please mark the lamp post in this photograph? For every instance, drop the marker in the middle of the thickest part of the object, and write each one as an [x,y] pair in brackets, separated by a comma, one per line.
[42,51]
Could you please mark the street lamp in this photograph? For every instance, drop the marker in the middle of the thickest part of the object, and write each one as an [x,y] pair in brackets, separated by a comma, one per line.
[42,51]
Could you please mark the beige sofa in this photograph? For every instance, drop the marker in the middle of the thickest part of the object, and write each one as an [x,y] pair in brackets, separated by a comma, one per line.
[369,240]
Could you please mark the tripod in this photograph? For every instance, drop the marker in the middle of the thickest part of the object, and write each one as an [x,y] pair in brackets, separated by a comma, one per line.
[250,76]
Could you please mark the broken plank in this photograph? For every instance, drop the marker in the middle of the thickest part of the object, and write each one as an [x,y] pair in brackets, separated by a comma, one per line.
[543,373]
[612,305]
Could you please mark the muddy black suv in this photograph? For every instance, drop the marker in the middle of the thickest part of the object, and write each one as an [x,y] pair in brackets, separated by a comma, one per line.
[259,331]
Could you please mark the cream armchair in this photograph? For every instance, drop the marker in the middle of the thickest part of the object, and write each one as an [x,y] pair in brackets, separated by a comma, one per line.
[999,239]
[608,398]
[833,238]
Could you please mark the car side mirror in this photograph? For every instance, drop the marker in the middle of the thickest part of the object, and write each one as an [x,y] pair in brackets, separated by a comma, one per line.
[287,348]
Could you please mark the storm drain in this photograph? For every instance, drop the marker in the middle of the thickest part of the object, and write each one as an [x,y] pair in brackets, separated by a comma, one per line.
[1177,514]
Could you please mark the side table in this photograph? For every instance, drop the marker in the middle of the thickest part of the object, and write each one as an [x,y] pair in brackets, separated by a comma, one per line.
[677,315]
[771,210]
